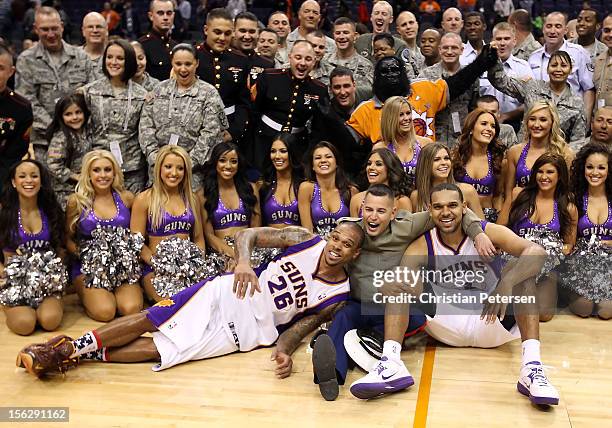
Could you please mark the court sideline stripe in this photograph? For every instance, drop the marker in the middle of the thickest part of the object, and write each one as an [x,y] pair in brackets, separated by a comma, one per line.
[422,406]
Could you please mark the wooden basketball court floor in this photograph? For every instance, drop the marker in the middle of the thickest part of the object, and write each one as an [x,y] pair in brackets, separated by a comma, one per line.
[453,387]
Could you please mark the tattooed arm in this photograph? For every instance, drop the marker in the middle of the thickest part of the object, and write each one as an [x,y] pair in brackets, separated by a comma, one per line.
[290,339]
[270,237]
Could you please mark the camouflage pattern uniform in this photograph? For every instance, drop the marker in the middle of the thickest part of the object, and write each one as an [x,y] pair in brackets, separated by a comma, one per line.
[63,163]
[569,105]
[96,66]
[363,70]
[322,72]
[114,120]
[294,36]
[507,136]
[193,119]
[364,46]
[42,82]
[414,62]
[148,82]
[525,49]
[446,132]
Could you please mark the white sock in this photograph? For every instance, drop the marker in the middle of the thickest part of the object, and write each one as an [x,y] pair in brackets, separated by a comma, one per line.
[531,351]
[392,350]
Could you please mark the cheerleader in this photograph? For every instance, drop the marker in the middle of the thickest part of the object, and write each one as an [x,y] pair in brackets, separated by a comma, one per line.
[435,167]
[166,210]
[543,135]
[100,200]
[592,187]
[478,158]
[30,217]
[279,206]
[544,204]
[399,136]
[69,138]
[230,202]
[383,167]
[325,196]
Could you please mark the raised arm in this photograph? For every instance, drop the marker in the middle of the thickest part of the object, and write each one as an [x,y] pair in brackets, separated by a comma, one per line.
[268,237]
[511,86]
[461,81]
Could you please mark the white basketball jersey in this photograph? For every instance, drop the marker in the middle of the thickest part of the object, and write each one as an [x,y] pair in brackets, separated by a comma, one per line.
[290,289]
[460,275]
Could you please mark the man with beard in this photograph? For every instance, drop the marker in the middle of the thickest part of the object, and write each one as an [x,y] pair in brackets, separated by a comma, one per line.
[226,70]
[426,97]
[246,33]
[215,316]
[284,100]
[467,312]
[388,234]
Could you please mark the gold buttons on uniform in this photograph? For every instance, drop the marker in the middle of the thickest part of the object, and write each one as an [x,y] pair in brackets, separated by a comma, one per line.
[217,76]
[275,98]
[161,63]
[217,67]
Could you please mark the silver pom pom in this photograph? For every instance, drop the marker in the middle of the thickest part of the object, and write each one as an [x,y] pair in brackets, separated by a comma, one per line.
[111,257]
[587,270]
[552,243]
[33,275]
[178,264]
[491,214]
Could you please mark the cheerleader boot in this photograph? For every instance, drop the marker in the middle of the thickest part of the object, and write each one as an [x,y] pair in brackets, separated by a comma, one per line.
[52,356]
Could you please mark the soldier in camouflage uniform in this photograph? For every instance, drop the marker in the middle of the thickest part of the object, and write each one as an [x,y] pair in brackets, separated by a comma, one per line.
[48,71]
[450,120]
[408,28]
[67,145]
[526,44]
[187,112]
[346,56]
[602,77]
[116,104]
[322,69]
[570,106]
[95,33]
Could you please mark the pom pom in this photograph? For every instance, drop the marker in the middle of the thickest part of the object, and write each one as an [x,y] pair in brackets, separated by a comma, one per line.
[178,264]
[33,275]
[552,244]
[111,257]
[587,270]
[491,214]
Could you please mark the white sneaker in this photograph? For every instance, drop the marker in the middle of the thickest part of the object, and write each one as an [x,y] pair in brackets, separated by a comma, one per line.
[534,384]
[388,376]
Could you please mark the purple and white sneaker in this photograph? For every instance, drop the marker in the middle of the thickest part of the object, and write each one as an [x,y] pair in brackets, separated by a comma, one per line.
[388,376]
[534,384]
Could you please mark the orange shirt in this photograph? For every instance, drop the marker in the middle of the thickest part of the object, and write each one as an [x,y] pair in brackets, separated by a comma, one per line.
[427,98]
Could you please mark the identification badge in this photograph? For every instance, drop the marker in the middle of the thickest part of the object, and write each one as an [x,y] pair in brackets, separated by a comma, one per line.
[116,151]
[601,103]
[456,121]
[173,140]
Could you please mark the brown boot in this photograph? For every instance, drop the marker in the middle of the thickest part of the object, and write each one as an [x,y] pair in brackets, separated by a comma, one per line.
[49,357]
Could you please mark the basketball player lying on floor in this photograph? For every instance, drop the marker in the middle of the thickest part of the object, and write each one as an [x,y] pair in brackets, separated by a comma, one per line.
[295,294]
[479,320]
